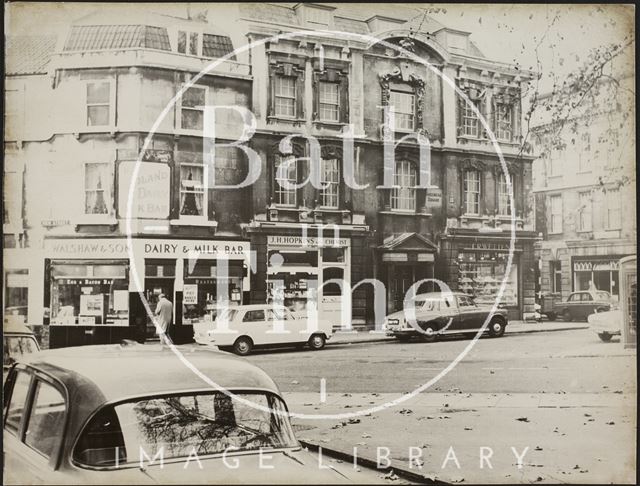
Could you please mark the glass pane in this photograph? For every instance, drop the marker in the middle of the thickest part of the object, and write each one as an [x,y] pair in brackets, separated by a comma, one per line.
[45,427]
[285,107]
[193,43]
[329,93]
[192,119]
[285,86]
[18,401]
[194,97]
[98,116]
[182,42]
[16,347]
[98,93]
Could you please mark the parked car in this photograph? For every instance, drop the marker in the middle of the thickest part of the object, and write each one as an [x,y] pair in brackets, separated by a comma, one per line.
[441,313]
[246,327]
[18,341]
[135,414]
[606,324]
[581,304]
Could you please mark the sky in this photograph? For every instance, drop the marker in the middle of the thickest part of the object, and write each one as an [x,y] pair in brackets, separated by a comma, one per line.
[559,36]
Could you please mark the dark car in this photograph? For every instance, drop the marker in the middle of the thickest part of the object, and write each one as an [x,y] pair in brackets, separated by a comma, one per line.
[135,414]
[441,313]
[580,305]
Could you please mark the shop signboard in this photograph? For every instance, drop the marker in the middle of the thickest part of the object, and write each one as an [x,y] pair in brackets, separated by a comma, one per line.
[151,190]
[307,242]
[433,199]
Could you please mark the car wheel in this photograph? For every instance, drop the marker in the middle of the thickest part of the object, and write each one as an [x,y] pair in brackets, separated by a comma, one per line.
[317,341]
[551,316]
[428,334]
[242,346]
[496,328]
[605,336]
[566,315]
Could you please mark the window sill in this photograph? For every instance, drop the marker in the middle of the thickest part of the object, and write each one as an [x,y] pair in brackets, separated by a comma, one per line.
[394,212]
[94,221]
[584,231]
[199,222]
[330,124]
[276,118]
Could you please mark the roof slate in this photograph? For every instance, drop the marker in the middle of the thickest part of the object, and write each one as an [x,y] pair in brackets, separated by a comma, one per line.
[28,54]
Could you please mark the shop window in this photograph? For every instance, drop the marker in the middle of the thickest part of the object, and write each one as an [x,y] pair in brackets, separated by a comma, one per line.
[613,209]
[285,96]
[403,194]
[193,190]
[330,182]
[286,177]
[472,192]
[504,117]
[585,211]
[556,276]
[203,284]
[16,295]
[404,109]
[329,101]
[332,278]
[482,273]
[555,211]
[98,195]
[85,294]
[99,104]
[333,255]
[292,277]
[504,202]
[191,108]
[46,420]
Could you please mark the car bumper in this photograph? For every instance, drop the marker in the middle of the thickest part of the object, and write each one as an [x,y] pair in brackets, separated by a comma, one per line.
[401,332]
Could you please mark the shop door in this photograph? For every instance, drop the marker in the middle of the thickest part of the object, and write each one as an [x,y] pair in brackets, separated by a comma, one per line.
[153,287]
[400,280]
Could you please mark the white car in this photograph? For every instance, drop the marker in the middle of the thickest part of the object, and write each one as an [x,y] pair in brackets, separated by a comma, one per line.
[606,324]
[245,327]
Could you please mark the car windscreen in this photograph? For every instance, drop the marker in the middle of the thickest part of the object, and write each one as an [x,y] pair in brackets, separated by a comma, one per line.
[177,426]
[428,305]
[16,347]
[226,314]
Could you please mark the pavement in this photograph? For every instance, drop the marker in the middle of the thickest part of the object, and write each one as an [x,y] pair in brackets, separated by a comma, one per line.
[551,394]
[514,327]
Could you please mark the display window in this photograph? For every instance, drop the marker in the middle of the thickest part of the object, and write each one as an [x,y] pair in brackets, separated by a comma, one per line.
[16,294]
[601,274]
[292,277]
[482,273]
[88,294]
[207,285]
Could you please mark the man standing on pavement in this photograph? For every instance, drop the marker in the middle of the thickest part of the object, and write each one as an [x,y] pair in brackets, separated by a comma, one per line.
[164,311]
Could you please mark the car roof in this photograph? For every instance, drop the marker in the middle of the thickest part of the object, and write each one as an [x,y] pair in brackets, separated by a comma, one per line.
[256,307]
[118,371]
[96,375]
[12,327]
[437,295]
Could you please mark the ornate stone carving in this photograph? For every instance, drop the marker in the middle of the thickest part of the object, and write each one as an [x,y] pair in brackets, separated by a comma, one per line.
[416,82]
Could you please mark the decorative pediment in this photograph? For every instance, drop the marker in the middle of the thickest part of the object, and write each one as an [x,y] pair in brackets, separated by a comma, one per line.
[331,152]
[472,164]
[513,168]
[409,242]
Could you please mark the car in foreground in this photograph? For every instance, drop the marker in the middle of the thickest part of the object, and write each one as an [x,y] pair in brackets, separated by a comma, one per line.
[606,324]
[579,305]
[245,327]
[18,341]
[135,414]
[441,313]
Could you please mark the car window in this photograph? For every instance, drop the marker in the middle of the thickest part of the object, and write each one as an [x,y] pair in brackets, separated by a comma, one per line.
[464,301]
[586,297]
[212,423]
[278,314]
[253,316]
[46,419]
[574,297]
[428,305]
[603,296]
[17,402]
[15,347]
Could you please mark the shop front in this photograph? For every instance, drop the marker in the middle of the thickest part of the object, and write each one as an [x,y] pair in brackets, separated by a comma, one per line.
[603,271]
[309,274]
[478,266]
[96,288]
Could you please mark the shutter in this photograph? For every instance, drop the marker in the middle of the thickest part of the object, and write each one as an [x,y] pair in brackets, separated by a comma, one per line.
[344,99]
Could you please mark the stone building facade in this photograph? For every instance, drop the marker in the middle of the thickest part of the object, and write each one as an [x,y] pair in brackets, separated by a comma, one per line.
[100,243]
